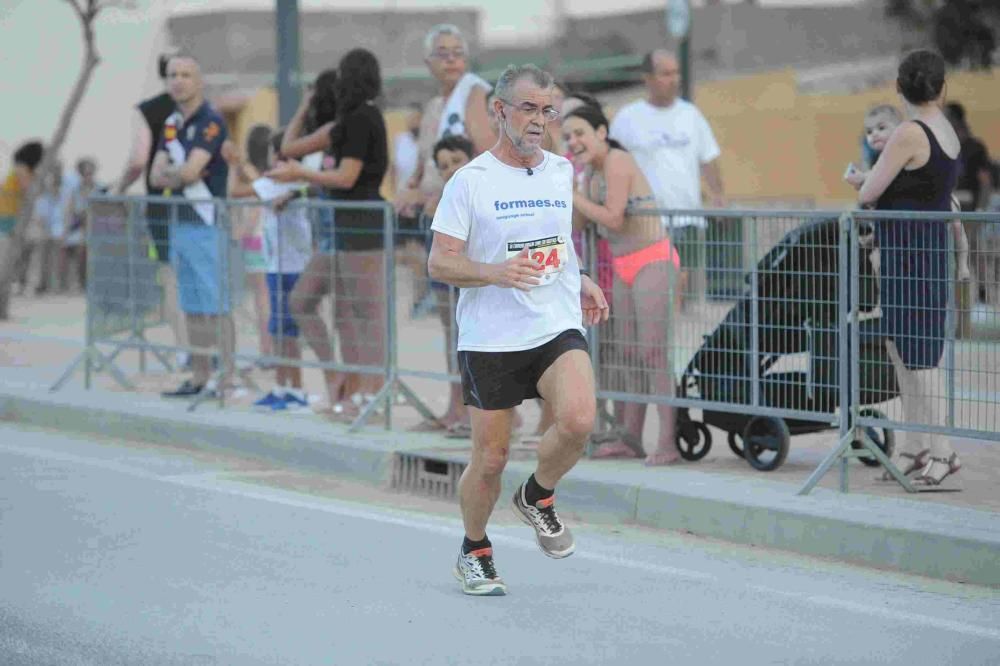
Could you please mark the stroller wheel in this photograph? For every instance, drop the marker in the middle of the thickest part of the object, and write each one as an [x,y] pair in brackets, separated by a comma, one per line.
[884,438]
[766,442]
[736,444]
[694,440]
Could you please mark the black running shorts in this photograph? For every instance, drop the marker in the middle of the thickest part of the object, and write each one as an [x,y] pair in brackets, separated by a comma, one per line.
[501,380]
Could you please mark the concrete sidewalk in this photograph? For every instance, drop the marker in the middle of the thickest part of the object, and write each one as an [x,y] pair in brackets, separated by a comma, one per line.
[943,535]
[930,539]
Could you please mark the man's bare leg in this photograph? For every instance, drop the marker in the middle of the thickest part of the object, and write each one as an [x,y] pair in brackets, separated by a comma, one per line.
[479,487]
[202,339]
[569,385]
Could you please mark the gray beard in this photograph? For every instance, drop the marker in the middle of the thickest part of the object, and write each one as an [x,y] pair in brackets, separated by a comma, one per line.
[519,146]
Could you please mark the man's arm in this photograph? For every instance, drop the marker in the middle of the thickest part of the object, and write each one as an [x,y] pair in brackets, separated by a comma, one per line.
[156,173]
[142,142]
[175,177]
[448,263]
[713,178]
[708,158]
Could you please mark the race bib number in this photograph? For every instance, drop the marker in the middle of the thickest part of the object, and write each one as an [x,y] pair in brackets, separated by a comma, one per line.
[548,253]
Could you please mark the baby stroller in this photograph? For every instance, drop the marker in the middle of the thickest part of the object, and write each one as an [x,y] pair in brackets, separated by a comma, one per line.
[797,310]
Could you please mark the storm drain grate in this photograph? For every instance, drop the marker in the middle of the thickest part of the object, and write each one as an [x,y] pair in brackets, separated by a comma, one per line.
[421,475]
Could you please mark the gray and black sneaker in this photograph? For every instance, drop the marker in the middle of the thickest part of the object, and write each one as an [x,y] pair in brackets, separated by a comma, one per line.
[554,538]
[478,574]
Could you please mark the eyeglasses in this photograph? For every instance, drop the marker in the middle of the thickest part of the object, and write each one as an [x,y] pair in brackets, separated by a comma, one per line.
[529,109]
[445,54]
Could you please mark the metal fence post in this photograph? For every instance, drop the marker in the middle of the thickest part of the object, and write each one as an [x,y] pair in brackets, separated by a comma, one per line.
[754,323]
[390,340]
[850,354]
[951,330]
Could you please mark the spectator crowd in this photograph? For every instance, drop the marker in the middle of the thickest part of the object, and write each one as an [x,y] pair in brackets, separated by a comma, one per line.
[656,152]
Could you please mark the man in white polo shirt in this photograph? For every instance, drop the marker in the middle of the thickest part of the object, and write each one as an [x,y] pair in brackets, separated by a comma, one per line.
[675,148]
[503,234]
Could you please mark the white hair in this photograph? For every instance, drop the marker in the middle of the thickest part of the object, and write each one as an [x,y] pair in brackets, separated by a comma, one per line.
[514,73]
[442,29]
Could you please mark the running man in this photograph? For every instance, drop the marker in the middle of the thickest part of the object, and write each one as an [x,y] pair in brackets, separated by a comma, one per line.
[502,234]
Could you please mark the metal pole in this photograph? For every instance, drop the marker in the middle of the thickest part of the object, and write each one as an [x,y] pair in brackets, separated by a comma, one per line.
[684,57]
[678,17]
[390,339]
[849,351]
[286,28]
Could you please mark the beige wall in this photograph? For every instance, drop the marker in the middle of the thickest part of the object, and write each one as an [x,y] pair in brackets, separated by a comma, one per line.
[777,145]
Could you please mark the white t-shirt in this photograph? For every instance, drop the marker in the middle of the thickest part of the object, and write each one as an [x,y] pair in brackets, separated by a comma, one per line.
[670,144]
[498,210]
[405,156]
[287,239]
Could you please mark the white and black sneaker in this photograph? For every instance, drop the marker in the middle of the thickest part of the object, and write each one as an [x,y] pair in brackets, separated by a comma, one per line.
[478,574]
[554,538]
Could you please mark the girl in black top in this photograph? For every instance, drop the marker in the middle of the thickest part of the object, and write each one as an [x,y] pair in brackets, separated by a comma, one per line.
[359,147]
[917,171]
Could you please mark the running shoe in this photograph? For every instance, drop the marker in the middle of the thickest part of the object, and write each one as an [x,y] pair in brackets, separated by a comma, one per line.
[272,401]
[186,390]
[478,574]
[296,400]
[554,538]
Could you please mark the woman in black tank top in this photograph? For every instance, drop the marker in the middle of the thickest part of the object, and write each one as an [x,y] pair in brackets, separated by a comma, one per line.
[917,171]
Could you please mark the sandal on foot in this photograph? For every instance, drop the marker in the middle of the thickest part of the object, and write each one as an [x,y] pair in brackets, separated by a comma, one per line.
[343,412]
[918,462]
[938,469]
[459,431]
[428,425]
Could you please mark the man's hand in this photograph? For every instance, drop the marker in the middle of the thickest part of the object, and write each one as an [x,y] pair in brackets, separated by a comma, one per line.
[595,306]
[408,201]
[520,272]
[286,171]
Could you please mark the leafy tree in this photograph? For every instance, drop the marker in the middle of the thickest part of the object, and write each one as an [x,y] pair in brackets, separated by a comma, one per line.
[964,31]
[86,12]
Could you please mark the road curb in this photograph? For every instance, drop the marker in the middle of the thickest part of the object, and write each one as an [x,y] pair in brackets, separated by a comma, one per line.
[934,540]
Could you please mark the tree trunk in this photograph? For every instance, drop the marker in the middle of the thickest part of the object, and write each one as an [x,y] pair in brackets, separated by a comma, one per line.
[9,263]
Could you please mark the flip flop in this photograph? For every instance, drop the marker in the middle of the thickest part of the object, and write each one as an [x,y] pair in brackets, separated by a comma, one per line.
[428,425]
[459,431]
[341,412]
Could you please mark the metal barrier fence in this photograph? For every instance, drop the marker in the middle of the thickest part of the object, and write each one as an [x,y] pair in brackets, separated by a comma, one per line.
[761,324]
[143,250]
[765,362]
[934,376]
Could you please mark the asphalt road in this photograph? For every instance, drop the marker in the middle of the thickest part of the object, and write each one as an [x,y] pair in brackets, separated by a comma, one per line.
[120,553]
